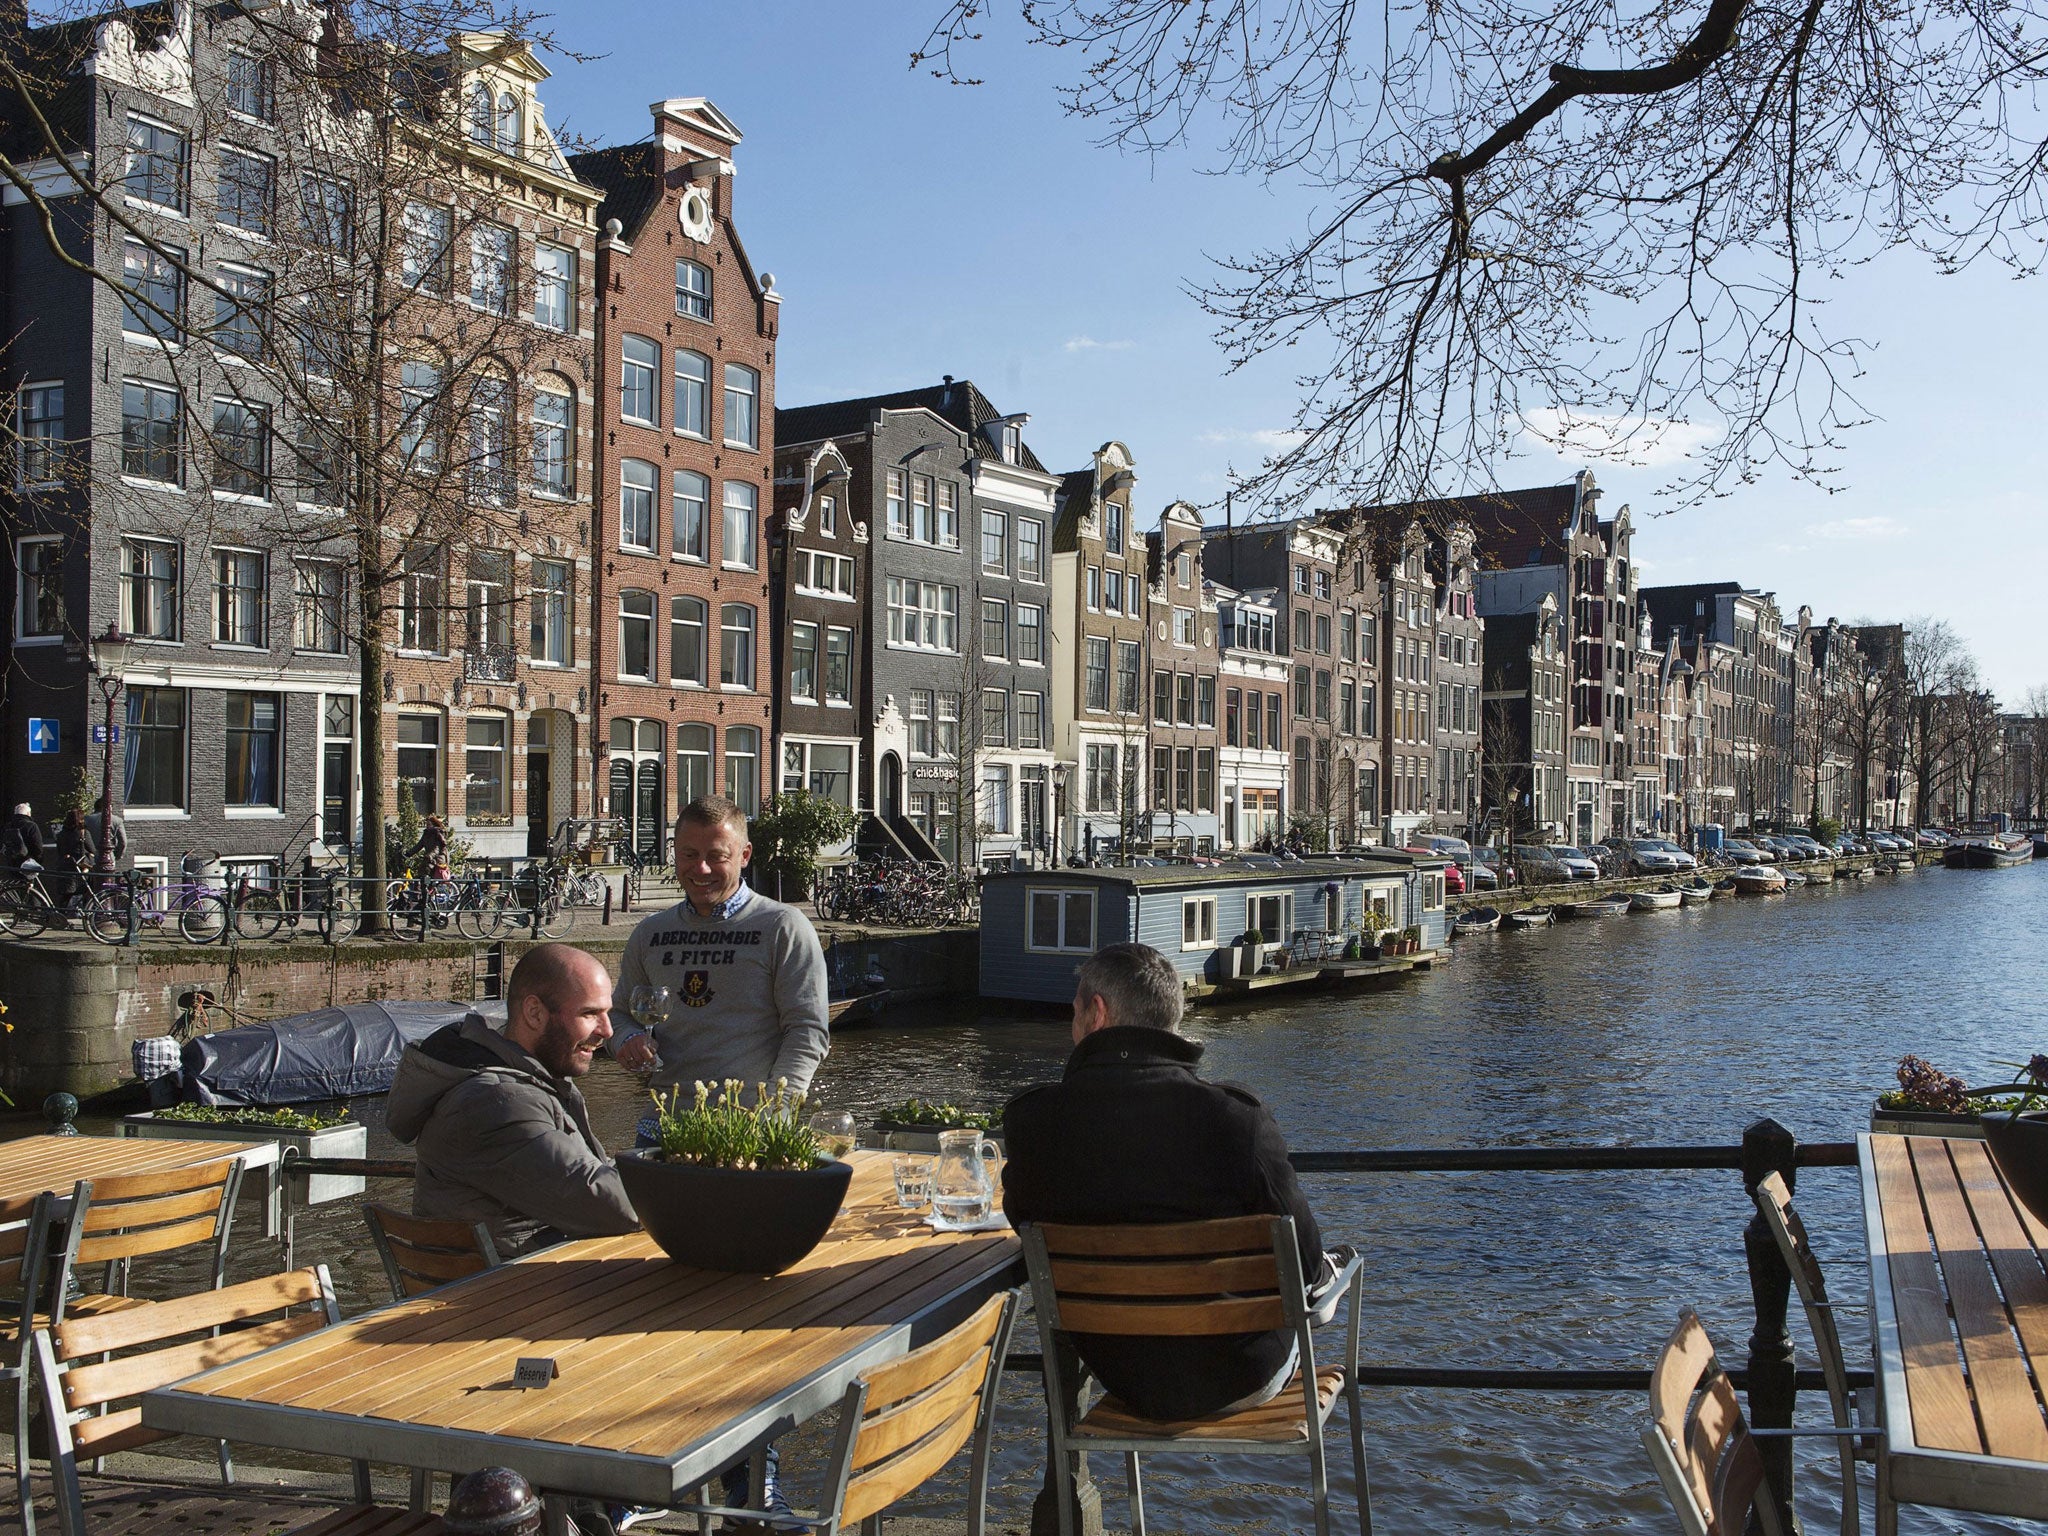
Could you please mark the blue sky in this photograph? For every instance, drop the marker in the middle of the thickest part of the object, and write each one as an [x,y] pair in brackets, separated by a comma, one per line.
[917,228]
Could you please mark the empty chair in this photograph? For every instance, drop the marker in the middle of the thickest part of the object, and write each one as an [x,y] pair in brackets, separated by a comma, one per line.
[1855,1413]
[900,1423]
[23,1227]
[115,1221]
[1704,1453]
[420,1254]
[1241,1274]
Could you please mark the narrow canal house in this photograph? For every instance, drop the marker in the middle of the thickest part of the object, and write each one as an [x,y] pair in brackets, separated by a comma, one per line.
[818,562]
[1523,700]
[1184,664]
[1098,645]
[1408,662]
[1731,635]
[686,379]
[189,484]
[1460,669]
[1252,762]
[1039,926]
[954,692]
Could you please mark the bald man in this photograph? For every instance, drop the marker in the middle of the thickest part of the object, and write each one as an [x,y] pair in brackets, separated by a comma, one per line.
[503,1134]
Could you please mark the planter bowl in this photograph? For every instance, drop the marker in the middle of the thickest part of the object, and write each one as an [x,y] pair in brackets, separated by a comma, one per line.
[2019,1146]
[743,1222]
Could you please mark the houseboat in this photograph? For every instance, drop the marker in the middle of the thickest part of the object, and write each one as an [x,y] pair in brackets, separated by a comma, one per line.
[1232,927]
[1988,850]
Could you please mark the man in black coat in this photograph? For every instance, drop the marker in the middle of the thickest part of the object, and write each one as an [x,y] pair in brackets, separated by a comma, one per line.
[1131,1135]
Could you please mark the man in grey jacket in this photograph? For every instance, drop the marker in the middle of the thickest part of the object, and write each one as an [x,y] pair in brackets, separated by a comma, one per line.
[502,1131]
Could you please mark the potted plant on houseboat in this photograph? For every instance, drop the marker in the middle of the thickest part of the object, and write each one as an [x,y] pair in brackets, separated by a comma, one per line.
[1930,1102]
[914,1125]
[732,1186]
[310,1132]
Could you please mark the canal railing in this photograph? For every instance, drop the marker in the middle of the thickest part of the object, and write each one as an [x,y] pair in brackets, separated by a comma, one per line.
[1770,1381]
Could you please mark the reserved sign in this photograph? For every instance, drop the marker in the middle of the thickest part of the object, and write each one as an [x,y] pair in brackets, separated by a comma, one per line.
[534,1371]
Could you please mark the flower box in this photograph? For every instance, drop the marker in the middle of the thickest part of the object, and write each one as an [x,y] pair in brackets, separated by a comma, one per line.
[1924,1122]
[349,1140]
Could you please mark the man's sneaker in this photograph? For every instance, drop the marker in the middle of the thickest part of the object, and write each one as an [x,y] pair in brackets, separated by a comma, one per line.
[625,1516]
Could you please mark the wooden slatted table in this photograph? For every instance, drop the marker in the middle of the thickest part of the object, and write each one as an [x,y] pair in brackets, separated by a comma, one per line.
[667,1374]
[1959,1309]
[33,1164]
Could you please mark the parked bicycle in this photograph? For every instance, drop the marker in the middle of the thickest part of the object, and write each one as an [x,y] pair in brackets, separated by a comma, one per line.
[198,909]
[27,906]
[324,901]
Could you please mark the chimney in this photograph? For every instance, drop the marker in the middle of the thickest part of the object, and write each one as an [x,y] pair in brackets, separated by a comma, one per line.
[946,394]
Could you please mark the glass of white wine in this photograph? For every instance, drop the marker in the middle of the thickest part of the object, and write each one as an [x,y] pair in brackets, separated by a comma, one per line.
[650,1007]
[835,1132]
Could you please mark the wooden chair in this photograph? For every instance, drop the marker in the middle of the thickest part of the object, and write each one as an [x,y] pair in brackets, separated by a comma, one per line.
[1704,1453]
[900,1423]
[420,1254]
[1237,1275]
[1855,1412]
[115,1221]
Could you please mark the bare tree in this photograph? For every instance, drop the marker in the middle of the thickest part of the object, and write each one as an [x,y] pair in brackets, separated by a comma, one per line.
[1979,738]
[1586,224]
[1934,669]
[2034,710]
[1861,723]
[351,400]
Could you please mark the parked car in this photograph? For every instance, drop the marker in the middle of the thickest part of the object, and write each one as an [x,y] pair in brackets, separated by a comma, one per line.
[1740,850]
[1644,856]
[1454,877]
[1535,864]
[1931,837]
[1685,860]
[1811,847]
[1495,862]
[1575,862]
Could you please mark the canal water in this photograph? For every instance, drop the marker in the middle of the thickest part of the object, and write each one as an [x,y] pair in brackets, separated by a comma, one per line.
[1669,1027]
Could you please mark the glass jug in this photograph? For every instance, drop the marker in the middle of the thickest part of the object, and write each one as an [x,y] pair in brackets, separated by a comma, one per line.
[964,1183]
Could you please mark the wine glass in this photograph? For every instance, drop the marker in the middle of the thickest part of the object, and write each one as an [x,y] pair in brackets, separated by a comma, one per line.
[835,1132]
[650,1007]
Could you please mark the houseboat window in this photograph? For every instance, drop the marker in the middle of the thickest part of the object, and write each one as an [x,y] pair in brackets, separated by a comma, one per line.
[1198,922]
[1272,915]
[1062,922]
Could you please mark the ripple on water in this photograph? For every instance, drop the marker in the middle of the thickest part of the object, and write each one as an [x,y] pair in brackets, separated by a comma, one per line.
[1668,1027]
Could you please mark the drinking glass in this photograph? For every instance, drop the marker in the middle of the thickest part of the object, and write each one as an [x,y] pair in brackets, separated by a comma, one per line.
[650,1007]
[835,1132]
[913,1180]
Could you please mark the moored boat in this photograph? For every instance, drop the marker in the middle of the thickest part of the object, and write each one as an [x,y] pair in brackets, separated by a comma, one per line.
[1695,893]
[1478,920]
[1529,917]
[1603,906]
[1820,874]
[1989,850]
[1654,901]
[1794,876]
[1759,880]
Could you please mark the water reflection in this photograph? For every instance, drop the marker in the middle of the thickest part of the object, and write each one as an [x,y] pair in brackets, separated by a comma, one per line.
[1666,1027]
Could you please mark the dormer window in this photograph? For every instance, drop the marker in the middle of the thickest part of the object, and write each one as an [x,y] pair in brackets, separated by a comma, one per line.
[509,136]
[1012,442]
[482,127]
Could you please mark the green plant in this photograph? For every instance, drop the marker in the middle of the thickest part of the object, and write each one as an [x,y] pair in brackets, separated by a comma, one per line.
[80,796]
[790,830]
[943,1116]
[1827,829]
[276,1119]
[1253,936]
[768,1134]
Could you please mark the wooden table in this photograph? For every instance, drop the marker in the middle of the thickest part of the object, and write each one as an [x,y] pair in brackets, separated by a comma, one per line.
[33,1164]
[667,1374]
[1959,1309]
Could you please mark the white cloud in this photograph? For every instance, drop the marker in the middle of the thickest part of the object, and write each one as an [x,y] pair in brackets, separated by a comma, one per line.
[1090,344]
[1608,437]
[1272,439]
[1860,528]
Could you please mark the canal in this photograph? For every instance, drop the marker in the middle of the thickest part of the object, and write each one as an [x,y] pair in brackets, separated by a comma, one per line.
[1666,1027]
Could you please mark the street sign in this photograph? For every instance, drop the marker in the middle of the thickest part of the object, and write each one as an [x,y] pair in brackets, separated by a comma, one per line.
[100,737]
[42,735]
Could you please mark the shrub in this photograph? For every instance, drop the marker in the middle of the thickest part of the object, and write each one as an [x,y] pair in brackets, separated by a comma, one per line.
[790,830]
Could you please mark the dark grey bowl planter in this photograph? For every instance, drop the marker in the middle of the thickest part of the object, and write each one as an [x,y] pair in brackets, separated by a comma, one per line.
[755,1222]
[2019,1145]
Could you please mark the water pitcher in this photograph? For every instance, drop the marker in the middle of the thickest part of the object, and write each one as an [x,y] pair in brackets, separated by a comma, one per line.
[964,1183]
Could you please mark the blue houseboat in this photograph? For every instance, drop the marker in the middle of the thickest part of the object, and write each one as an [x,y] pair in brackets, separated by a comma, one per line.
[1310,916]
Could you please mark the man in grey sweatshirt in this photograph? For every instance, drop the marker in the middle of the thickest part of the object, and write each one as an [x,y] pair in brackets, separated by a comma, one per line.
[745,973]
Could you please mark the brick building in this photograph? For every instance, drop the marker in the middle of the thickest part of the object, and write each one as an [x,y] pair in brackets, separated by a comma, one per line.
[680,596]
[818,567]
[1523,702]
[1183,661]
[1460,671]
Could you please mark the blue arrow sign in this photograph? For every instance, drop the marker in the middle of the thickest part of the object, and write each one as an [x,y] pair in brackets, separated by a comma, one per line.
[42,735]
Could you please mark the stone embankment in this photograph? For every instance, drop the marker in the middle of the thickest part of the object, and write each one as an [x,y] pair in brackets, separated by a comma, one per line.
[1519,897]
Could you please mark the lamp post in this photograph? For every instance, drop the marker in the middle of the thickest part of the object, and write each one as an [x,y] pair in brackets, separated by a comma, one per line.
[109,655]
[1059,809]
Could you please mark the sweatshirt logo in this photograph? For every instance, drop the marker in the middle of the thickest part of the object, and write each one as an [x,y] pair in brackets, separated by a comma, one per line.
[697,989]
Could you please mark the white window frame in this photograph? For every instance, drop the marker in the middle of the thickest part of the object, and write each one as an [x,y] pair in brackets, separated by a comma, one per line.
[552,280]
[636,595]
[1063,941]
[22,605]
[748,507]
[742,383]
[692,301]
[1202,911]
[641,493]
[633,367]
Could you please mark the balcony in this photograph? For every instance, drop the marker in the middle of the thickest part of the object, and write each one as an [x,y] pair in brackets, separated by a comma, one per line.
[489,664]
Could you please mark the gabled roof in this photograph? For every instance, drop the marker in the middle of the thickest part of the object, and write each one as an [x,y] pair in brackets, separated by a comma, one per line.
[628,173]
[1076,487]
[956,401]
[1508,527]
[51,57]
[1677,608]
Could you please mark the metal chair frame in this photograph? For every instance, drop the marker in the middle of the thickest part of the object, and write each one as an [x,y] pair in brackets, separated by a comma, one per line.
[1704,1452]
[438,1245]
[1291,1299]
[24,1235]
[1857,1433]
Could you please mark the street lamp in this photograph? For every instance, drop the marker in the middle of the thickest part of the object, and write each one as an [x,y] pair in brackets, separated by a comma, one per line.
[109,655]
[1059,809]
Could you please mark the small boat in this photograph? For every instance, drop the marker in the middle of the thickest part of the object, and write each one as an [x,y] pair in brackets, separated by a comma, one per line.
[1604,906]
[330,1053]
[1989,850]
[1654,901]
[1759,880]
[1478,920]
[2041,845]
[1698,894]
[1724,887]
[1529,917]
[1794,876]
[1820,874]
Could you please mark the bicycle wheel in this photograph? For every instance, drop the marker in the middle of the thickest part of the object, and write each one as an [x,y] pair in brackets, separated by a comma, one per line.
[106,915]
[339,916]
[203,917]
[482,915]
[23,911]
[259,914]
[826,898]
[556,918]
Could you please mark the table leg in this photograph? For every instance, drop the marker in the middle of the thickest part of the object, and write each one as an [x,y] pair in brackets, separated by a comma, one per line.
[1045,1518]
[554,1516]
